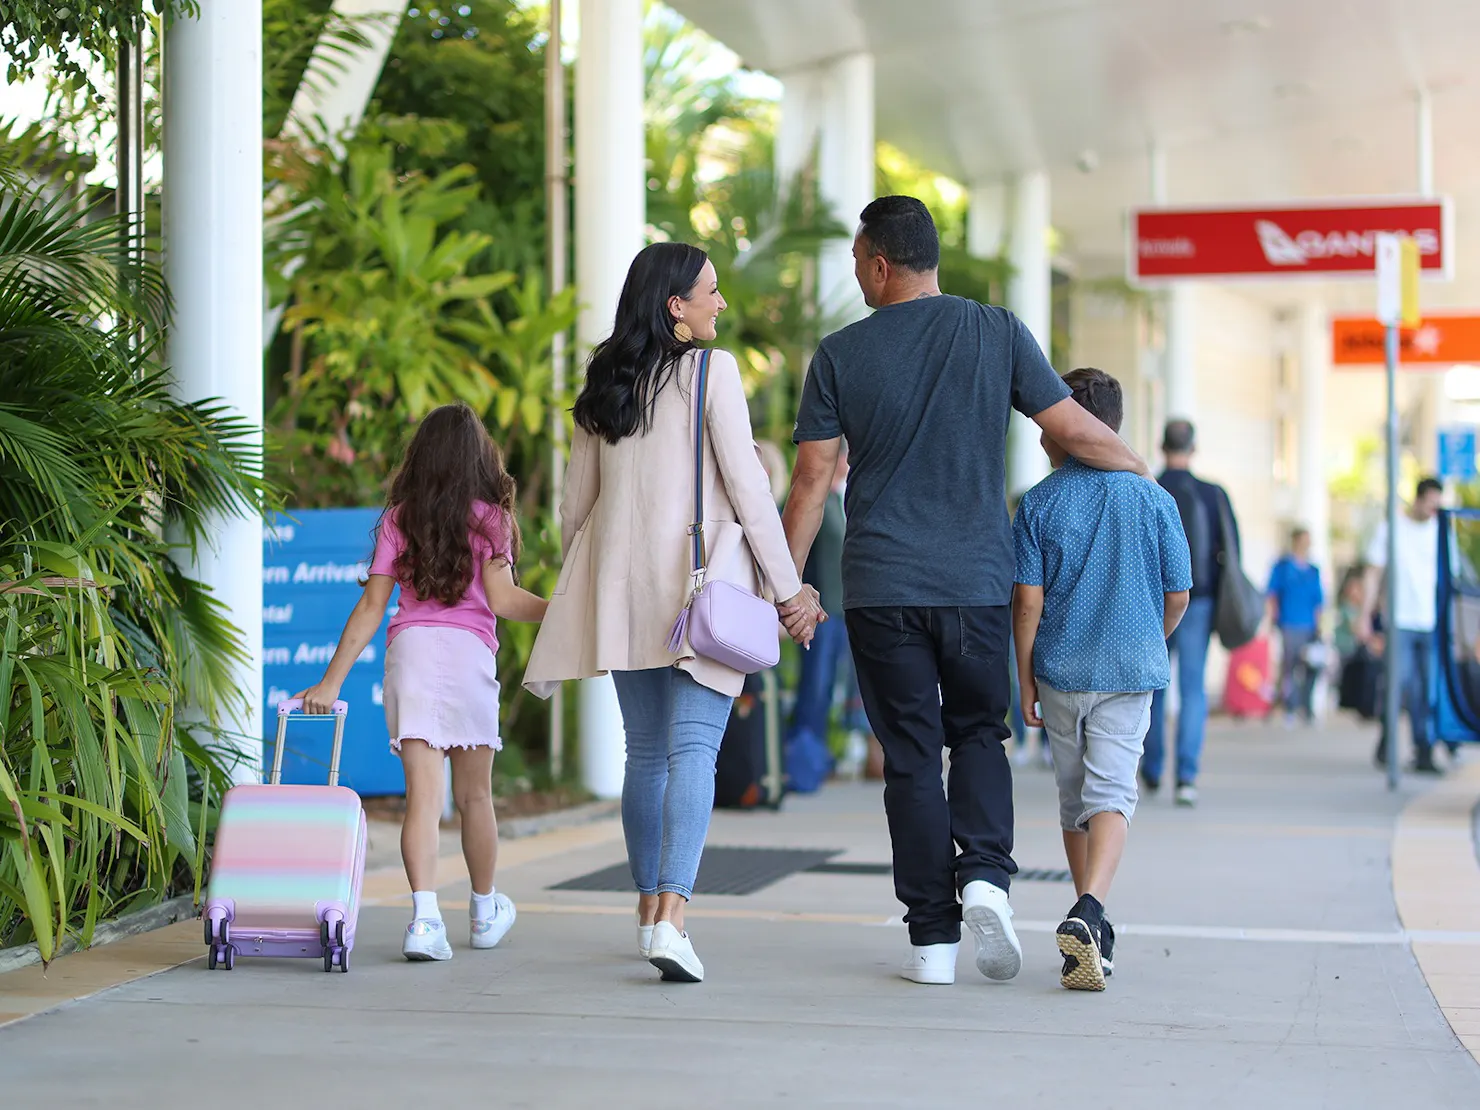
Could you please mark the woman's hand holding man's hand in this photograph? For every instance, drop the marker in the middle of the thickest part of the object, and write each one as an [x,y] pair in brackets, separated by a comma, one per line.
[801,615]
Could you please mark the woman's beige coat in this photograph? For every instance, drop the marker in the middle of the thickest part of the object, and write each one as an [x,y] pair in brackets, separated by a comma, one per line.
[625,535]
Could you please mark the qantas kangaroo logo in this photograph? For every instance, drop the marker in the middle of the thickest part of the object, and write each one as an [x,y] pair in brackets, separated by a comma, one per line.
[1283,249]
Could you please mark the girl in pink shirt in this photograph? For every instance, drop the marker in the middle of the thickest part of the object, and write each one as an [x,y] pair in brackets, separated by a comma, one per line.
[449,539]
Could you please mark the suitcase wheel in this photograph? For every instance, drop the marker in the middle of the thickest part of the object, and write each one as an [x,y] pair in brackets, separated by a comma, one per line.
[328,959]
[211,958]
[344,960]
[230,952]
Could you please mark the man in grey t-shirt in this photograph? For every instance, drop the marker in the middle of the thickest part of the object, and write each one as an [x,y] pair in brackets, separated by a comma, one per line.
[923,390]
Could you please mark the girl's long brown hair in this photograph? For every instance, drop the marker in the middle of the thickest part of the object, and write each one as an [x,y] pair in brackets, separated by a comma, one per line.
[450,463]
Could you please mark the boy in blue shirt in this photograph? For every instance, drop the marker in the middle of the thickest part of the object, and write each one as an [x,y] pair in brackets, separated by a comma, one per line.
[1103,574]
[1295,602]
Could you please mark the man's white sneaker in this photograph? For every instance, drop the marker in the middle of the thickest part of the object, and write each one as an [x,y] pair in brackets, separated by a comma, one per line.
[986,913]
[1187,795]
[644,939]
[672,953]
[931,963]
[426,940]
[487,933]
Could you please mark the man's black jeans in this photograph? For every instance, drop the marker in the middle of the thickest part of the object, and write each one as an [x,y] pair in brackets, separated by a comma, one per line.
[935,678]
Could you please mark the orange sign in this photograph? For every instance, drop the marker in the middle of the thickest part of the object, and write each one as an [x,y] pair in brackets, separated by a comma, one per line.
[1437,341]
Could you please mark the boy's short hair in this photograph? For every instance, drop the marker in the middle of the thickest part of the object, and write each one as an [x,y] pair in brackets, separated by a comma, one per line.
[1099,394]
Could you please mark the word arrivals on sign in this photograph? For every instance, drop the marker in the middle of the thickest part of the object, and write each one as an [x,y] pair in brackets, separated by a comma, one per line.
[1439,340]
[1332,237]
[312,568]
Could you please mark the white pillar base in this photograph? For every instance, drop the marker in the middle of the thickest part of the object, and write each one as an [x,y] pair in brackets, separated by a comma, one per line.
[603,740]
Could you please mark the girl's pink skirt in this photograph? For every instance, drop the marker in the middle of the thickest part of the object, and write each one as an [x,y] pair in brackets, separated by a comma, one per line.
[441,686]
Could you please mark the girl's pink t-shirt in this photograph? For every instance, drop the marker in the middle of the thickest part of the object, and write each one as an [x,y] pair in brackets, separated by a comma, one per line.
[471,612]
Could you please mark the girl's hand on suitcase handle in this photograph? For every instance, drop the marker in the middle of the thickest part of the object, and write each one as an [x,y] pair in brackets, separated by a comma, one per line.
[319,699]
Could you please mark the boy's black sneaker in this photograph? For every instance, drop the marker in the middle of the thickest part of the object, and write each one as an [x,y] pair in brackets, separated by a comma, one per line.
[1107,947]
[1078,937]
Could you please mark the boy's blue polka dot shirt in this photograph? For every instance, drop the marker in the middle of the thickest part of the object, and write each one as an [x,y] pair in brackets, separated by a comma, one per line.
[1106,548]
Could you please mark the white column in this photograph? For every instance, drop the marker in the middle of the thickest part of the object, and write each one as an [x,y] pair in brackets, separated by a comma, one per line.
[803,97]
[213,259]
[611,189]
[846,175]
[1030,296]
[1315,365]
[1181,353]
[986,219]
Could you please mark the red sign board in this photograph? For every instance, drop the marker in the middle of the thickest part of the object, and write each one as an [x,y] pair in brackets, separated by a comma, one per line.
[1326,239]
[1440,340]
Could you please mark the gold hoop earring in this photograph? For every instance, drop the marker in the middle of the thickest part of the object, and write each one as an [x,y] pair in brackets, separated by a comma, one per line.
[683,333]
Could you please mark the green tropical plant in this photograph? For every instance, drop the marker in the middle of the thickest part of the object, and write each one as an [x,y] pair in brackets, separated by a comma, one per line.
[74,34]
[102,635]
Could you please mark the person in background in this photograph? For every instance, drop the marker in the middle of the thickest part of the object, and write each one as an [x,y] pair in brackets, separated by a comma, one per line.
[1415,616]
[1203,507]
[808,757]
[1347,637]
[1296,599]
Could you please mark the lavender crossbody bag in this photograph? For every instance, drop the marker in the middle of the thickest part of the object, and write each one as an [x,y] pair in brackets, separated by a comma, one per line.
[723,622]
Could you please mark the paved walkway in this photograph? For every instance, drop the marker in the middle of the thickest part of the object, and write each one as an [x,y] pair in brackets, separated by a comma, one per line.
[1262,962]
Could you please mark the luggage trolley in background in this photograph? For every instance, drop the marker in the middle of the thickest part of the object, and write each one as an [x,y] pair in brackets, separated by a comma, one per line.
[288,864]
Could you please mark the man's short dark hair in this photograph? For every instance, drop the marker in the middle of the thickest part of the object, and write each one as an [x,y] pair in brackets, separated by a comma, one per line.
[1430,485]
[1099,394]
[901,229]
[1179,438]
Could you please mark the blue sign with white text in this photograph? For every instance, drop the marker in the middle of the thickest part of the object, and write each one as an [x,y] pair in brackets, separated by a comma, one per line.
[313,563]
[1457,453]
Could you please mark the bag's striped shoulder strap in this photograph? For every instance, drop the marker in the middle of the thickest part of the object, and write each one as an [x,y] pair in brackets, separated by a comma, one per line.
[696,530]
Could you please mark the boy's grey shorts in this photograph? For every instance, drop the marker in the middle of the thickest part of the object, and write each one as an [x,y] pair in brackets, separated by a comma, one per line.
[1096,740]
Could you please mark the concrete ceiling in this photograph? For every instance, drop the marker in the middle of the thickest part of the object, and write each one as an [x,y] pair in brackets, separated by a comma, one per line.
[1250,103]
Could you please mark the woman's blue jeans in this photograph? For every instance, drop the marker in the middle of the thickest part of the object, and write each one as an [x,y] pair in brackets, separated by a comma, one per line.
[674,727]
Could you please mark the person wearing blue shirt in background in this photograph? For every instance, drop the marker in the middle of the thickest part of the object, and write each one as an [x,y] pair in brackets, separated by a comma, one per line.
[1295,603]
[1103,578]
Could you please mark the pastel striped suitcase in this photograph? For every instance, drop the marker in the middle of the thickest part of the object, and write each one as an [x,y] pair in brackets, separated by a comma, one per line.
[288,864]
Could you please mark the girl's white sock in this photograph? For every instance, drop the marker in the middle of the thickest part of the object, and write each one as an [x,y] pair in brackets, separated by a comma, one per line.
[424,905]
[483,908]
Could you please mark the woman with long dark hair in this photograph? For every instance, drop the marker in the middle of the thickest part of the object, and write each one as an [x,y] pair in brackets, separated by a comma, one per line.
[625,524]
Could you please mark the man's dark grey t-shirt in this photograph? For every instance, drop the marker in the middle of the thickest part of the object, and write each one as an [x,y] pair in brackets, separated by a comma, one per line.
[922,390]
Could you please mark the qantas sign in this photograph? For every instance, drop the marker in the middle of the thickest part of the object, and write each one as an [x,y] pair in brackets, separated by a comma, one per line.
[1316,240]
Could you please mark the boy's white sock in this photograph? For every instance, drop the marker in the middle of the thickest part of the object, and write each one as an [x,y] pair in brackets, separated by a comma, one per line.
[424,905]
[483,907]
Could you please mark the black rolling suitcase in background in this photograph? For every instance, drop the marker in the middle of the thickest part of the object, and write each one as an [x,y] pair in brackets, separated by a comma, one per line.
[747,772]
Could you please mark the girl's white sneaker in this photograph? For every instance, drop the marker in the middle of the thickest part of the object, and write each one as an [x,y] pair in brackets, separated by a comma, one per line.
[426,939]
[672,953]
[486,933]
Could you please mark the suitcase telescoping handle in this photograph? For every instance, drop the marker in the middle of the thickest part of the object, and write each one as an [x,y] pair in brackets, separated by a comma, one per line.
[285,710]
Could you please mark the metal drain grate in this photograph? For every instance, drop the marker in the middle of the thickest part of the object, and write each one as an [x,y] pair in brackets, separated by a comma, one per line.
[1028,875]
[722,871]
[1040,875]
